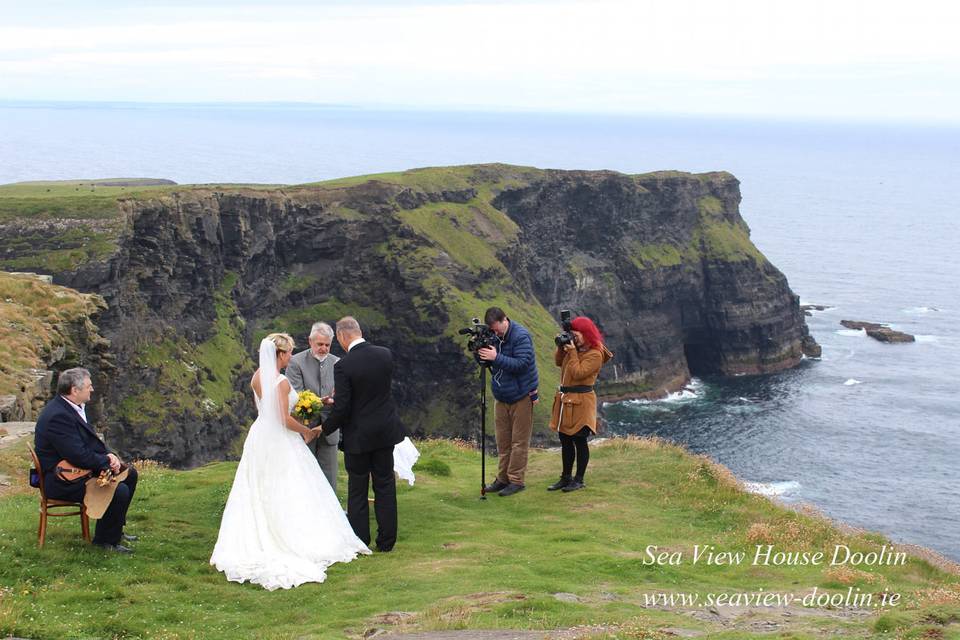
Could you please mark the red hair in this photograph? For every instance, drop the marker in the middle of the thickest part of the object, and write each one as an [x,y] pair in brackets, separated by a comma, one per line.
[591,335]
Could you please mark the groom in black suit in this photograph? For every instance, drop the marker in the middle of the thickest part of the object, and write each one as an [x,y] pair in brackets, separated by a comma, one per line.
[365,413]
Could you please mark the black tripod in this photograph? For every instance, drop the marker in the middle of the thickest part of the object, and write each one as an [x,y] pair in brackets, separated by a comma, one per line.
[483,432]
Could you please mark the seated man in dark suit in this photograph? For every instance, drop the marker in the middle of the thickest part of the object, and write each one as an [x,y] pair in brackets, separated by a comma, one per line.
[63,433]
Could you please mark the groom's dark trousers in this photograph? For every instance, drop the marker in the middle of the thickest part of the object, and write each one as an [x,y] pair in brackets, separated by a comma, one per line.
[364,411]
[377,464]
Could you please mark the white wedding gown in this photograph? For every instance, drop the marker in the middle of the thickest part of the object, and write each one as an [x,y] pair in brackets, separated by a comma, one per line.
[282,525]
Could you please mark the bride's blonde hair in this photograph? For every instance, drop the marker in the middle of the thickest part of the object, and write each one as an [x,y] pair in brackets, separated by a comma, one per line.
[283,341]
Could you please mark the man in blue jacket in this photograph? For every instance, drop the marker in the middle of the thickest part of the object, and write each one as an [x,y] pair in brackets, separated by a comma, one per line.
[514,382]
[63,433]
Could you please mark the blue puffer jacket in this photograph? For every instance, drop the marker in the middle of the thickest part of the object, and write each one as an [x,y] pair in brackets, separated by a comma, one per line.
[514,372]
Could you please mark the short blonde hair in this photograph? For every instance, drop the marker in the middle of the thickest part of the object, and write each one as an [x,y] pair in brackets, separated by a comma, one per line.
[283,341]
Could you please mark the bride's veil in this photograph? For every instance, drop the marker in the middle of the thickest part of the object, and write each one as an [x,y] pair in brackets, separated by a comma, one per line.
[269,403]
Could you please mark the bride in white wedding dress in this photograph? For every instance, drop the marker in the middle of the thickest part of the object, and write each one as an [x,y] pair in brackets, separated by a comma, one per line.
[283,524]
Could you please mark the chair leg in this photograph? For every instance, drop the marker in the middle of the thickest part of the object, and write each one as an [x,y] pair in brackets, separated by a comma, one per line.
[42,533]
[85,524]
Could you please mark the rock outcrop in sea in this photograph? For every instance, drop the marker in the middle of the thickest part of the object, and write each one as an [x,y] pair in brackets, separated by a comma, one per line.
[194,276]
[878,331]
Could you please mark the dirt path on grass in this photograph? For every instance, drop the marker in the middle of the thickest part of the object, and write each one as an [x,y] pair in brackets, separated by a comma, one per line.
[816,622]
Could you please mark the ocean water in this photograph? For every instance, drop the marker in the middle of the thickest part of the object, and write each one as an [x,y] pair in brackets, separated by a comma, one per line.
[863,218]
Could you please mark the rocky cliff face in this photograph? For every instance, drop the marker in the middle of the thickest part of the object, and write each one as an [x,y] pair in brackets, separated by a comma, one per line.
[45,329]
[665,261]
[194,276]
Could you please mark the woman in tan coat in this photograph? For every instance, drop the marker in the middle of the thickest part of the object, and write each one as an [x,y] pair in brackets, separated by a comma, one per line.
[575,405]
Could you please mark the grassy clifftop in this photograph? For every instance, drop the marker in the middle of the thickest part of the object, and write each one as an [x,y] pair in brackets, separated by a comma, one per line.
[40,325]
[537,560]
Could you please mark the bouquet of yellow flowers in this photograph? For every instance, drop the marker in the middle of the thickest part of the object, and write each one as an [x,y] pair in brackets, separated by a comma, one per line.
[307,409]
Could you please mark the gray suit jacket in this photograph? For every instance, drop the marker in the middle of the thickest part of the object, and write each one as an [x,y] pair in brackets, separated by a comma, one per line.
[306,372]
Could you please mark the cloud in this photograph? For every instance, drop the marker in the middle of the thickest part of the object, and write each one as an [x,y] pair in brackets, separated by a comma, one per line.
[604,56]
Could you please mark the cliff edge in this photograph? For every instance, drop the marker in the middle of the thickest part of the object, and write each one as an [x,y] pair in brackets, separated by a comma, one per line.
[194,276]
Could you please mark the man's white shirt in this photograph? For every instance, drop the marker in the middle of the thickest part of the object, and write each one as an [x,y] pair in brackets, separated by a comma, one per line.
[79,408]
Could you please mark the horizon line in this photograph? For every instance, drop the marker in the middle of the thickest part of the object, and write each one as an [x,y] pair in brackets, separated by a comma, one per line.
[484,109]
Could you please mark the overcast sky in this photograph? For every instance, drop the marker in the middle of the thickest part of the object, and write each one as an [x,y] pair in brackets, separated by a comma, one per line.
[877,60]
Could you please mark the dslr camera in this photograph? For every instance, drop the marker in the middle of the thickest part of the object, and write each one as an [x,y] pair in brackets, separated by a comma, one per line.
[565,337]
[480,336]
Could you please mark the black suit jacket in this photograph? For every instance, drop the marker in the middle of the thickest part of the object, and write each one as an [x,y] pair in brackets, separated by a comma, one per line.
[363,407]
[61,434]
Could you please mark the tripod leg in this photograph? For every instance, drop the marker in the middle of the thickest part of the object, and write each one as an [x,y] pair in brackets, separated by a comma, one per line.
[483,433]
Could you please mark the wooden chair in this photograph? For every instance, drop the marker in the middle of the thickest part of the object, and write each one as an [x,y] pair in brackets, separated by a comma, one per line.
[55,508]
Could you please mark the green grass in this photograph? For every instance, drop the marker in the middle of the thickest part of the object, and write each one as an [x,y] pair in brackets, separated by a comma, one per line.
[441,178]
[69,199]
[459,563]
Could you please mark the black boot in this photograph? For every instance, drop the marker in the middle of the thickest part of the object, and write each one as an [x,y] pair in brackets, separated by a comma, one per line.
[495,486]
[573,485]
[560,484]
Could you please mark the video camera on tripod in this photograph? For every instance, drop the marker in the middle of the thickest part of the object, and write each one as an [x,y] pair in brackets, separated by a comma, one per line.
[480,336]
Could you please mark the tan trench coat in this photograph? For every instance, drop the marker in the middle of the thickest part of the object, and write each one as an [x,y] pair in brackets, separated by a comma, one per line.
[573,411]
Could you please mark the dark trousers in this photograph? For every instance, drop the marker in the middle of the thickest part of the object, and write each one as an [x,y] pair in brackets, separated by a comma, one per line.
[110,526]
[360,467]
[572,448]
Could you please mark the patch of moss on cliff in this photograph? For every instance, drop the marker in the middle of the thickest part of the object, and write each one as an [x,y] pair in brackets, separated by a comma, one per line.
[346,213]
[718,238]
[298,283]
[190,379]
[454,228]
[435,419]
[623,389]
[223,354]
[725,241]
[657,255]
[297,322]
[710,206]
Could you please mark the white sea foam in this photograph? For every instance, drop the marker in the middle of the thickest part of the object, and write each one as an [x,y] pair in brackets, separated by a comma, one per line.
[851,381]
[920,310]
[852,333]
[923,338]
[782,488]
[692,391]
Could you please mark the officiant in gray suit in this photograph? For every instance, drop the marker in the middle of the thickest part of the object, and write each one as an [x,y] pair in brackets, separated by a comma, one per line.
[313,369]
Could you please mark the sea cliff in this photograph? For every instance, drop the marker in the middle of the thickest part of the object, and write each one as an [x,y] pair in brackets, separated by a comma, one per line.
[193,276]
